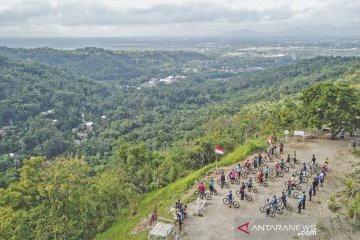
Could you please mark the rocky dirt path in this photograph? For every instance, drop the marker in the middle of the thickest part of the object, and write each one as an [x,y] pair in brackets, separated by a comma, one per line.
[221,222]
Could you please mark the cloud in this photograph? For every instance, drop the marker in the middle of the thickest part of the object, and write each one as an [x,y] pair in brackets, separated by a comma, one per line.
[111,17]
[77,14]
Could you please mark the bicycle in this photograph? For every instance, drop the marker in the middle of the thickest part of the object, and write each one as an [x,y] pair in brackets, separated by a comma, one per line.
[307,174]
[247,196]
[296,185]
[272,213]
[264,182]
[234,203]
[253,188]
[293,193]
[287,206]
[207,195]
[226,184]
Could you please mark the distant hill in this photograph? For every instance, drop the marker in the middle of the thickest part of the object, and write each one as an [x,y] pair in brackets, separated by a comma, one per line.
[303,31]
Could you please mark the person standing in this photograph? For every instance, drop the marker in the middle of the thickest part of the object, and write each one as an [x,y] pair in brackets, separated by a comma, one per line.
[242,191]
[222,178]
[202,190]
[299,205]
[283,199]
[267,207]
[310,192]
[314,186]
[342,134]
[303,200]
[281,148]
[211,186]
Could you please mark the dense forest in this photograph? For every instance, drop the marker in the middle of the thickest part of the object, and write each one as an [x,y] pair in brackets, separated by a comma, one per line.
[81,147]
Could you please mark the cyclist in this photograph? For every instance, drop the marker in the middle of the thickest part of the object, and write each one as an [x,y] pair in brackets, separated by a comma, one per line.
[289,188]
[283,200]
[202,190]
[260,159]
[274,203]
[288,159]
[178,204]
[222,179]
[238,170]
[267,171]
[267,207]
[211,186]
[260,177]
[255,162]
[313,159]
[230,198]
[292,181]
[249,183]
[282,165]
[294,156]
[281,148]
[304,169]
[277,169]
[242,191]
[232,175]
[317,181]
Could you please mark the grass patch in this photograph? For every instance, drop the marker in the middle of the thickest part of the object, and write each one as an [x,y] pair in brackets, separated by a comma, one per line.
[165,197]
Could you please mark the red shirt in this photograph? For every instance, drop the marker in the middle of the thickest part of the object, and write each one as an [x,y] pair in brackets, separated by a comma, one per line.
[201,187]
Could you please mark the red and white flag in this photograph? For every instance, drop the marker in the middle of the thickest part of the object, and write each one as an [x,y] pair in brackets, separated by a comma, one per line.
[270,140]
[219,150]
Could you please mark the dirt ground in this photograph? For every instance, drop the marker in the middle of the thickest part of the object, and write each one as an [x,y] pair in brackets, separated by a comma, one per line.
[220,222]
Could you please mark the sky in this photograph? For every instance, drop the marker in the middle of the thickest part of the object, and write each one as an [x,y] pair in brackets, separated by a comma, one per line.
[122,18]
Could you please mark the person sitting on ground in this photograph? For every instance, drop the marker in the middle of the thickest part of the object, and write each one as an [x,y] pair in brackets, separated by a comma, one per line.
[202,190]
[260,177]
[211,186]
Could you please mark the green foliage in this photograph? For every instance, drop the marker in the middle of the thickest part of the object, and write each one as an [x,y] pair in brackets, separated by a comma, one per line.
[334,105]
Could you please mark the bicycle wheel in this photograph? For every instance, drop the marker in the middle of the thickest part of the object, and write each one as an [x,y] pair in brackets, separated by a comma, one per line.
[265,184]
[235,204]
[272,178]
[260,168]
[279,211]
[226,201]
[215,192]
[304,179]
[253,170]
[281,174]
[197,193]
[218,181]
[254,189]
[262,209]
[288,207]
[298,187]
[296,195]
[237,181]
[208,196]
[308,174]
[272,213]
[248,197]
[256,179]
[227,185]
[244,175]
[238,193]
[286,169]
[271,170]
[277,155]
[298,172]
[297,161]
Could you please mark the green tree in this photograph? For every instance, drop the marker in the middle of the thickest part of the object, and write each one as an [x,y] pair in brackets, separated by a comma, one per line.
[329,104]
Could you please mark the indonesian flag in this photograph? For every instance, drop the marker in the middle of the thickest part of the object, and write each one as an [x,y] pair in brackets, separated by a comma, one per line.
[270,140]
[219,150]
